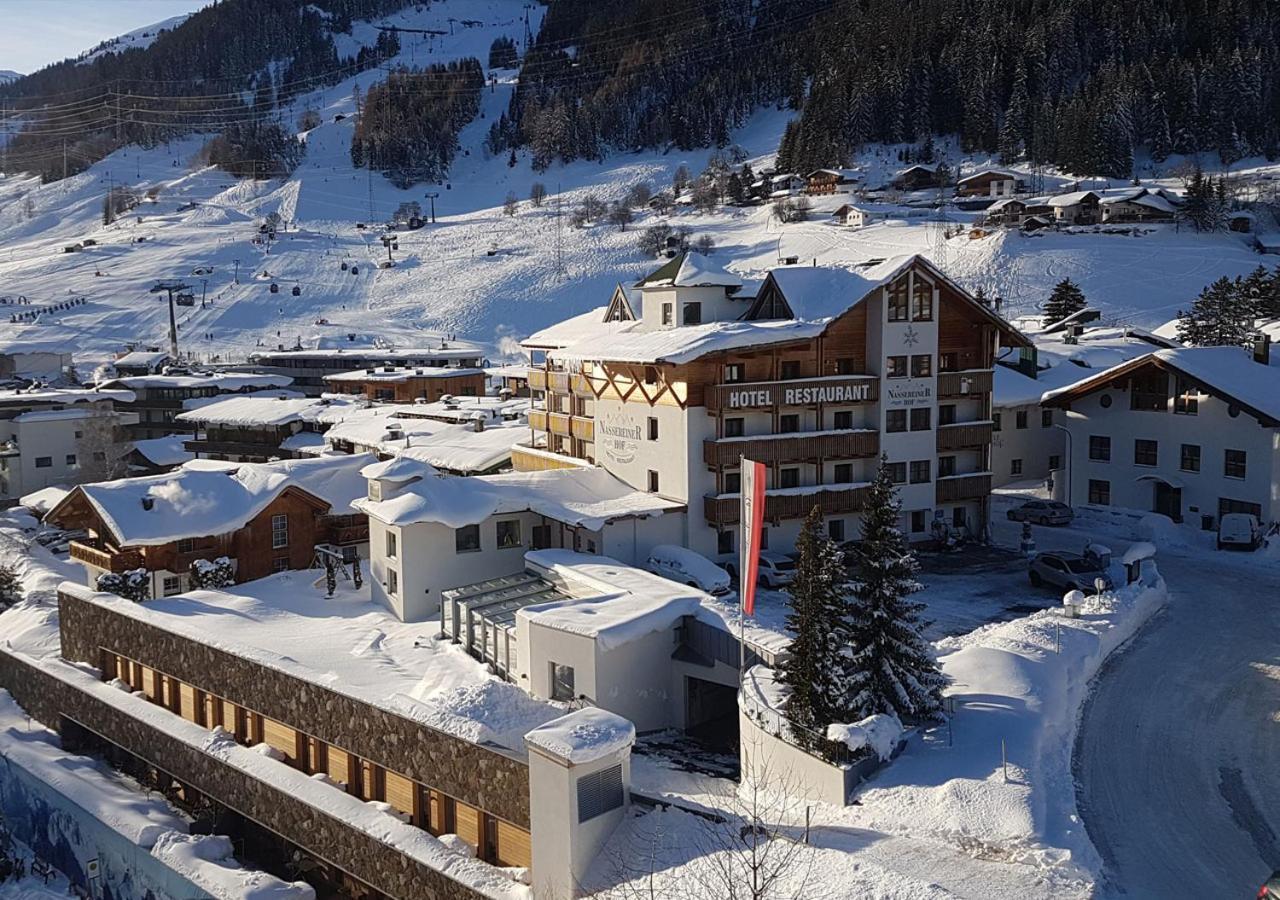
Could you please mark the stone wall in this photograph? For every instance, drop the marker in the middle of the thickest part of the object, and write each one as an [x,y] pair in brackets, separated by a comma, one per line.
[484,778]
[50,699]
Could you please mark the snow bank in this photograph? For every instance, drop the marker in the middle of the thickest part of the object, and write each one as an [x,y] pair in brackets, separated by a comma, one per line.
[583,736]
[879,733]
[208,861]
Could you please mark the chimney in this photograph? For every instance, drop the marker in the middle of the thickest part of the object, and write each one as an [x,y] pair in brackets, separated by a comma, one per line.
[1262,349]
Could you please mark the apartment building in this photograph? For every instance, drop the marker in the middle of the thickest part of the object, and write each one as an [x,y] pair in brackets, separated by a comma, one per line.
[404,384]
[817,372]
[159,399]
[307,368]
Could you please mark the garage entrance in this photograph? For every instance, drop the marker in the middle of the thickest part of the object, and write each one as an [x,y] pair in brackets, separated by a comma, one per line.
[711,713]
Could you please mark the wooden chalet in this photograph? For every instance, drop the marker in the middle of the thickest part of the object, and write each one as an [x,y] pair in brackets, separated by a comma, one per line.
[394,384]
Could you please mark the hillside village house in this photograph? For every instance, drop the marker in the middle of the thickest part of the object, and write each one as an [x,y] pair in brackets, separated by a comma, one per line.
[307,368]
[265,518]
[817,373]
[159,399]
[821,182]
[33,361]
[916,178]
[52,436]
[848,214]
[1076,208]
[259,428]
[1139,205]
[1191,433]
[989,183]
[396,384]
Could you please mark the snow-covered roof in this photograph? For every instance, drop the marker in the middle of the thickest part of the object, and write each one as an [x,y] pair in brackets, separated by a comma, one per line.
[165,451]
[399,375]
[1012,388]
[1230,372]
[582,327]
[691,270]
[45,499]
[256,410]
[1141,197]
[512,370]
[226,382]
[585,497]
[687,343]
[145,358]
[455,350]
[1006,201]
[63,395]
[986,173]
[1071,199]
[824,292]
[583,736]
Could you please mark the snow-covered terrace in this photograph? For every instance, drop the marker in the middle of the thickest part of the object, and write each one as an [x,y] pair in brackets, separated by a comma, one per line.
[63,395]
[400,375]
[259,410]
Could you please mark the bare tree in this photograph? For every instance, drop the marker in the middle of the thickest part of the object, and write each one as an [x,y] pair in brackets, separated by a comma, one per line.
[620,215]
[662,203]
[639,194]
[511,204]
[681,180]
[705,244]
[537,193]
[594,207]
[101,449]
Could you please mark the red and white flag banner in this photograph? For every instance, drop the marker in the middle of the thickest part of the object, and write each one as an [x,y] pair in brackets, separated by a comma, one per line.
[751,523]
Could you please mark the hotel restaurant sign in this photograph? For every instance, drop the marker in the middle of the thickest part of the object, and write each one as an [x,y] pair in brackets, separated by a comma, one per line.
[774,394]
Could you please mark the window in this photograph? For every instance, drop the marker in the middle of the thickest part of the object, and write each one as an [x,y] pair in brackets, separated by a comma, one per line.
[509,534]
[466,539]
[1015,467]
[1100,492]
[1186,402]
[393,582]
[1150,392]
[732,482]
[650,374]
[917,521]
[666,314]
[896,367]
[653,428]
[186,545]
[1020,419]
[835,530]
[1046,418]
[391,544]
[280,564]
[922,301]
[921,365]
[734,373]
[44,462]
[724,542]
[764,538]
[895,420]
[842,419]
[1055,461]
[79,434]
[172,585]
[789,478]
[790,369]
[948,362]
[898,301]
[995,421]
[691,314]
[843,473]
[733,427]
[561,682]
[1233,465]
[845,366]
[1227,505]
[1145,453]
[1100,447]
[1190,459]
[946,466]
[279,532]
[653,482]
[897,472]
[599,793]
[788,423]
[921,418]
[947,414]
[920,471]
[71,459]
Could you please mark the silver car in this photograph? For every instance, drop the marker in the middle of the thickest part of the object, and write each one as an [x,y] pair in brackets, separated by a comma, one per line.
[1069,571]
[1042,512]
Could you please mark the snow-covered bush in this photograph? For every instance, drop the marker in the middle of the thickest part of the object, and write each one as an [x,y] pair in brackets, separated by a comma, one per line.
[10,587]
[133,585]
[212,575]
[878,734]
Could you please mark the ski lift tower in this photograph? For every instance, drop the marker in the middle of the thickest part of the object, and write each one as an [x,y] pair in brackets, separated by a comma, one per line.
[171,287]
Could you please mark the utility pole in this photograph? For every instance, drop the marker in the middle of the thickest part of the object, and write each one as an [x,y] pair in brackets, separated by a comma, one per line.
[204,291]
[64,159]
[432,195]
[387,241]
[559,242]
[169,287]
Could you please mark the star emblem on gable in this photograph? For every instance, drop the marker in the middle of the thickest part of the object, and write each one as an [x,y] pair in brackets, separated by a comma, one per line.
[910,337]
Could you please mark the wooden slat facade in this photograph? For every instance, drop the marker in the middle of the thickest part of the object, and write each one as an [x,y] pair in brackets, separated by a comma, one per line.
[965,436]
[953,385]
[799,448]
[963,487]
[831,501]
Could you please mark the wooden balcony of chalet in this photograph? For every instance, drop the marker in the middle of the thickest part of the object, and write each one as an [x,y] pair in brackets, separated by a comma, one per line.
[559,423]
[964,436]
[792,447]
[583,429]
[794,504]
[344,530]
[537,379]
[101,555]
[538,419]
[579,385]
[558,382]
[963,487]
[963,384]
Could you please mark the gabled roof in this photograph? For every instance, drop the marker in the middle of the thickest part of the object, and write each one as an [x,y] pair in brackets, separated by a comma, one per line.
[1072,198]
[690,269]
[920,167]
[1000,173]
[626,305]
[1229,373]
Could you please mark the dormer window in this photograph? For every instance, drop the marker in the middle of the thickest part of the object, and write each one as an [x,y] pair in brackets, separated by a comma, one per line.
[692,314]
[667,314]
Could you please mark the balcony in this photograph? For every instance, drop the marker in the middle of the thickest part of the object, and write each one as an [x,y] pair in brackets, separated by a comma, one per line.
[558,423]
[792,447]
[259,451]
[101,555]
[769,395]
[537,379]
[963,384]
[580,387]
[342,531]
[538,419]
[583,429]
[964,436]
[964,487]
[794,504]
[558,382]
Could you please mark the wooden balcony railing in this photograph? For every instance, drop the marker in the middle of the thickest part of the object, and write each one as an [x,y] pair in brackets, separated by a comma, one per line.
[830,499]
[235,448]
[963,487]
[579,385]
[537,379]
[964,436]
[963,384]
[558,423]
[102,556]
[538,419]
[792,448]
[558,382]
[583,429]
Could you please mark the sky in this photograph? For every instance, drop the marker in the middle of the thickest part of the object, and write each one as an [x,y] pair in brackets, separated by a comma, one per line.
[38,32]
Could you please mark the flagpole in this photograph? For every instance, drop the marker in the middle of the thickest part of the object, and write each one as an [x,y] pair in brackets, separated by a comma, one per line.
[742,572]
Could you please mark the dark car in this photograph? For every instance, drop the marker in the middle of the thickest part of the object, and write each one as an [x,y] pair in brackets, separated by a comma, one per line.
[1270,890]
[1042,512]
[1066,570]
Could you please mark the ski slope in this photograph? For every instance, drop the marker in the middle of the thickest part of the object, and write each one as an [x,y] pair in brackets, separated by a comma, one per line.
[476,273]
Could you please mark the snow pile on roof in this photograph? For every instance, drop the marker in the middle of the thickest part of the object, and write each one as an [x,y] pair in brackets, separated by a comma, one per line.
[45,499]
[824,292]
[1071,199]
[584,497]
[401,374]
[452,349]
[63,395]
[147,358]
[585,326]
[691,270]
[611,602]
[225,382]
[583,736]
[165,451]
[260,410]
[1012,388]
[208,860]
[880,734]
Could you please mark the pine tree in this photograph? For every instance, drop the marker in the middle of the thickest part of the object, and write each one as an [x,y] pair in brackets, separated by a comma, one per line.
[1067,298]
[893,669]
[10,587]
[1221,316]
[814,667]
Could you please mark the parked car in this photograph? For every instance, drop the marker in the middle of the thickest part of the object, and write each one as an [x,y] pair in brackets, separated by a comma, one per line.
[687,567]
[1240,531]
[774,570]
[1270,890]
[1069,571]
[1042,512]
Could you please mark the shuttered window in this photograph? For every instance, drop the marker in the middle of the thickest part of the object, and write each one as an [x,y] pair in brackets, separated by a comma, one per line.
[599,792]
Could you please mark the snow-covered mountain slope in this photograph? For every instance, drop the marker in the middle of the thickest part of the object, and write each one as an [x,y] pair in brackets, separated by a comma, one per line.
[476,273]
[133,40]
[7,75]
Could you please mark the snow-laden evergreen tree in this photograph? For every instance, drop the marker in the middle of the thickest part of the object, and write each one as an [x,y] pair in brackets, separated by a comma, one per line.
[1066,298]
[10,587]
[892,668]
[1221,316]
[815,665]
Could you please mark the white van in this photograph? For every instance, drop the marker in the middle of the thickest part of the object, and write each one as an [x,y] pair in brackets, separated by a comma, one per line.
[1240,531]
[687,567]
